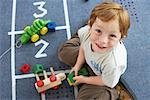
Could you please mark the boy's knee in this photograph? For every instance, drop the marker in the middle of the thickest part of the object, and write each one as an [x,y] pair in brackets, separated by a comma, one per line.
[94,92]
[68,55]
[62,53]
[68,52]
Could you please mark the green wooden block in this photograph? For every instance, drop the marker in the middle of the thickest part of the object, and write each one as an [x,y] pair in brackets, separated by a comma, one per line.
[82,71]
[42,23]
[24,38]
[34,30]
[28,30]
[38,24]
[36,27]
[38,68]
[70,78]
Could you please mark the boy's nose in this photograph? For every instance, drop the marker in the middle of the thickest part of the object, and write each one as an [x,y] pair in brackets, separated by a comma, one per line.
[103,39]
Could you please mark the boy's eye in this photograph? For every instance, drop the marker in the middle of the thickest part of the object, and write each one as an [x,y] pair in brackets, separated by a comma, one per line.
[98,30]
[112,35]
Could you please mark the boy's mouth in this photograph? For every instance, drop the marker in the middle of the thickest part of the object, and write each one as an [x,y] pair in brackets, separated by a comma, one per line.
[101,47]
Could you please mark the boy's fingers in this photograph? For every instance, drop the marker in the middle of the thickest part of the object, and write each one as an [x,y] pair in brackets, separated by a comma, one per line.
[76,73]
[75,78]
[76,83]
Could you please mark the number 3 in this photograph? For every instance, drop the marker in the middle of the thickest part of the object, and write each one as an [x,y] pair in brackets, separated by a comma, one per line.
[40,7]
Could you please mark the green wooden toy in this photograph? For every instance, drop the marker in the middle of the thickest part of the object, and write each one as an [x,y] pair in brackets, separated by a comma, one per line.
[38,68]
[32,32]
[82,71]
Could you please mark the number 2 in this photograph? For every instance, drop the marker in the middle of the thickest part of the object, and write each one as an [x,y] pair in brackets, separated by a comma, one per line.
[39,54]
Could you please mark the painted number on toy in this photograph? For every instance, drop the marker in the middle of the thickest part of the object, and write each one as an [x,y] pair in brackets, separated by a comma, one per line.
[40,53]
[40,7]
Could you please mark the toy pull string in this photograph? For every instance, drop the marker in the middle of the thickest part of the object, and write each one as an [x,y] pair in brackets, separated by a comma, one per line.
[17,45]
[5,53]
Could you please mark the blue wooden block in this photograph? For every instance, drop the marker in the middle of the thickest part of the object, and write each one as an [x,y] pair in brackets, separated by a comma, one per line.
[51,25]
[67,84]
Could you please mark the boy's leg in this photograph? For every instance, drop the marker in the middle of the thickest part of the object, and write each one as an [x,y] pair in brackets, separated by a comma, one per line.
[94,92]
[68,52]
[105,93]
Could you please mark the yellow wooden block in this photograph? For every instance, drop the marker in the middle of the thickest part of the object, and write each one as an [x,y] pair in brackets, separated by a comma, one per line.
[44,30]
[69,82]
[35,37]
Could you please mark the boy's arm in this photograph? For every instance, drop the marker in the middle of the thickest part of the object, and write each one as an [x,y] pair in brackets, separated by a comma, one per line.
[95,80]
[81,59]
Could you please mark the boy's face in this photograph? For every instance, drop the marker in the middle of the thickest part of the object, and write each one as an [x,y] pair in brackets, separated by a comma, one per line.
[104,35]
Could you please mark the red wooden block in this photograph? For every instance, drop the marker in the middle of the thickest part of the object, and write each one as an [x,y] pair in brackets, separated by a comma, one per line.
[55,87]
[52,78]
[25,68]
[40,83]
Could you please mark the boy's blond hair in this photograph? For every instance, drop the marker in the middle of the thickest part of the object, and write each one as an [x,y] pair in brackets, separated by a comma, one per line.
[110,11]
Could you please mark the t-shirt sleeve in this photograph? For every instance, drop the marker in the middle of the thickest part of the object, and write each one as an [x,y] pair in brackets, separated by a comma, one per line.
[111,76]
[83,33]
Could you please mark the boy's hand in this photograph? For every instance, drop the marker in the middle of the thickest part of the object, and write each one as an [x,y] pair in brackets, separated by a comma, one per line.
[75,69]
[80,79]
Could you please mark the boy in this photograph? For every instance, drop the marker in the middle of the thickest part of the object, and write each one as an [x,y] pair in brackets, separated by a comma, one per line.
[100,48]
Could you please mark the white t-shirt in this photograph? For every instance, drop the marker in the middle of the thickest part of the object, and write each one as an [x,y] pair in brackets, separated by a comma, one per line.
[110,65]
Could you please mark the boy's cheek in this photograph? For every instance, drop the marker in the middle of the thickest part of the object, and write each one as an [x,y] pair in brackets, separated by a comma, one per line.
[92,38]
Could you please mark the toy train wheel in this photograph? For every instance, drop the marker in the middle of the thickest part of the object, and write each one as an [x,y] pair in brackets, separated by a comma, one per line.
[40,83]
[56,87]
[35,38]
[52,78]
[44,30]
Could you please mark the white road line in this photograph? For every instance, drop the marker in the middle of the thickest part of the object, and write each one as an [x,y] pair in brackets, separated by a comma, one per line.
[23,76]
[13,51]
[43,96]
[61,27]
[32,75]
[20,32]
[13,16]
[13,67]
[16,32]
[67,19]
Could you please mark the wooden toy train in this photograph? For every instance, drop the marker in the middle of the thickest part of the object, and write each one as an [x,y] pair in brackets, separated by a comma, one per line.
[54,80]
[38,27]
